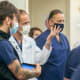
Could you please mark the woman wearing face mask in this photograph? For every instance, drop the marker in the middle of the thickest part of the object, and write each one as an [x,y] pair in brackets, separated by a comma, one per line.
[35,32]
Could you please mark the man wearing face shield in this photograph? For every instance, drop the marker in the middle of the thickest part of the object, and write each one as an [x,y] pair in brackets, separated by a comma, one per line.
[54,67]
[30,52]
[10,67]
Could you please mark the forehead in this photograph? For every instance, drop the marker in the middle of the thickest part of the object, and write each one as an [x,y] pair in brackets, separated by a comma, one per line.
[24,17]
[37,32]
[58,16]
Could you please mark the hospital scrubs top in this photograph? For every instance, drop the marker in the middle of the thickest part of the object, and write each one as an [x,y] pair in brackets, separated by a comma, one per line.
[7,54]
[54,67]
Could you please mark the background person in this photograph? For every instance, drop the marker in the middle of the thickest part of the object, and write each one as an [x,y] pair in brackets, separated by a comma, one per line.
[35,32]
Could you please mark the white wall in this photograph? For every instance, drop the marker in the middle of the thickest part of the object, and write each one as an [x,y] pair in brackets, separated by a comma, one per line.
[39,10]
[21,4]
[3,0]
[27,6]
[74,21]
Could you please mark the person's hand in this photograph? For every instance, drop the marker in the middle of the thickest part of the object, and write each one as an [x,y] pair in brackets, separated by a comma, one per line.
[37,70]
[53,32]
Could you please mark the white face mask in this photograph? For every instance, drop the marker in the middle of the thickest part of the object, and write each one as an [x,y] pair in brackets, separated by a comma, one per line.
[26,29]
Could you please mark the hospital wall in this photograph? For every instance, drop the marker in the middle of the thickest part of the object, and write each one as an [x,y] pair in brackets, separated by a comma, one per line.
[21,4]
[39,11]
[74,21]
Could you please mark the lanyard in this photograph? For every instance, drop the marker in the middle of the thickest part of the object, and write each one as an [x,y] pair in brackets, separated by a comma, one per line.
[16,47]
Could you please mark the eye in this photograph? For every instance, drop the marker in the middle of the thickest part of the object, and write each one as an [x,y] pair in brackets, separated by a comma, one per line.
[25,23]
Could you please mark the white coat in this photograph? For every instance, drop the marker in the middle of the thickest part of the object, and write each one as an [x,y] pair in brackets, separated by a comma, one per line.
[31,53]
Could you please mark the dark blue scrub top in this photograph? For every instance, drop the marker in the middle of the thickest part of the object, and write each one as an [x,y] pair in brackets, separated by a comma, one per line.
[76,74]
[73,62]
[6,52]
[53,69]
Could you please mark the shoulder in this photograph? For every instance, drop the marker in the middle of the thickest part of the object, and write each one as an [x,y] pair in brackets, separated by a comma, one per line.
[63,35]
[5,43]
[29,41]
[5,46]
[76,50]
[74,55]
[27,38]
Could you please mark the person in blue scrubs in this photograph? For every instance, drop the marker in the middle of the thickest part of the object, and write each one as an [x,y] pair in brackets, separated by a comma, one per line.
[76,74]
[54,67]
[73,62]
[10,67]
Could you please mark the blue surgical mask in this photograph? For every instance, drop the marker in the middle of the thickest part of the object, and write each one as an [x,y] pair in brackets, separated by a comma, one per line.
[14,29]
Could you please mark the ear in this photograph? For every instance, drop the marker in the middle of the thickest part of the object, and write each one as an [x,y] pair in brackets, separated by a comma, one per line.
[50,22]
[7,21]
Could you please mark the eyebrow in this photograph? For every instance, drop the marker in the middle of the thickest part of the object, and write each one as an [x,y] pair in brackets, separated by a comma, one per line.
[26,22]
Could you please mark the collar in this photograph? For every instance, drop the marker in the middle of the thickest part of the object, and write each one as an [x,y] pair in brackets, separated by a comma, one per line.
[4,35]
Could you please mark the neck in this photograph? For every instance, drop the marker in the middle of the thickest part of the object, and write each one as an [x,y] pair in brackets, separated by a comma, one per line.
[18,37]
[58,37]
[4,29]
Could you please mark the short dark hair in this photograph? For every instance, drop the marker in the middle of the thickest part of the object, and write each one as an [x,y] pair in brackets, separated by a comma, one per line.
[54,12]
[20,12]
[32,30]
[6,9]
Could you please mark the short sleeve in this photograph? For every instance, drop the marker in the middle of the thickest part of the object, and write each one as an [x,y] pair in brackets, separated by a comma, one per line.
[6,52]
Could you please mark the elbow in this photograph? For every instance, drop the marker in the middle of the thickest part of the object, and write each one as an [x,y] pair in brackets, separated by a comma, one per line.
[23,76]
[20,77]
